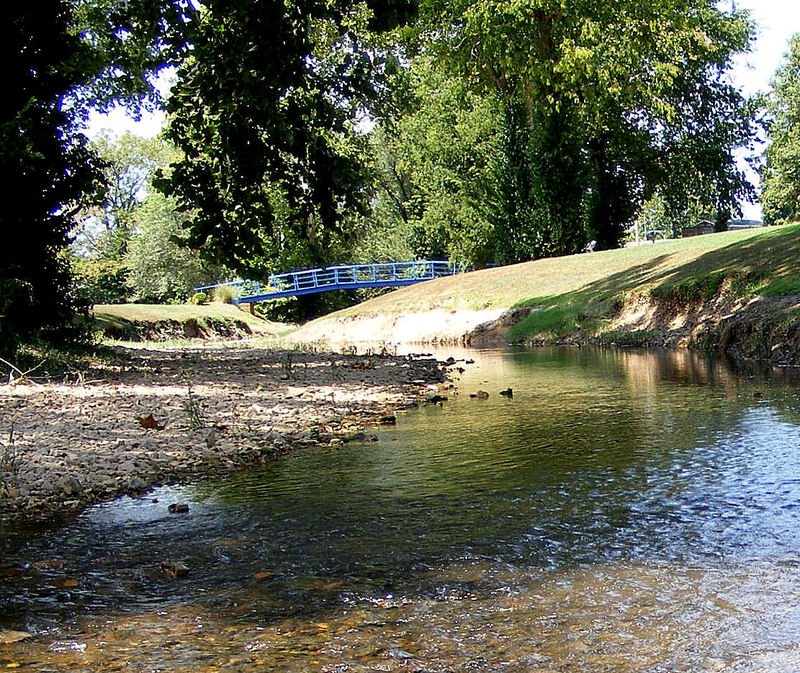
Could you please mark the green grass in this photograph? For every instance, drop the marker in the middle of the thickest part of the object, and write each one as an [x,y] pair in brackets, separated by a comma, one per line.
[580,291]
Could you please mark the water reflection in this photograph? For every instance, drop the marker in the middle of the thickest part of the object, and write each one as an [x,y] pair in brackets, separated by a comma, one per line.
[619,500]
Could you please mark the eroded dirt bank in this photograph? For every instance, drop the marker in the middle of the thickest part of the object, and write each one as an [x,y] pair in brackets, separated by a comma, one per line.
[760,328]
[165,416]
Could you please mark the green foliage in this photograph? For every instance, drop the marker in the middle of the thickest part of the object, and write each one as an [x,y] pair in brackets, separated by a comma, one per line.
[279,310]
[159,269]
[780,175]
[433,170]
[128,166]
[46,169]
[199,298]
[100,280]
[602,104]
[129,42]
[272,165]
[690,290]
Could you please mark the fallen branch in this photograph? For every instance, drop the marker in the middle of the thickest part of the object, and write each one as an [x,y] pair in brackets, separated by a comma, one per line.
[22,375]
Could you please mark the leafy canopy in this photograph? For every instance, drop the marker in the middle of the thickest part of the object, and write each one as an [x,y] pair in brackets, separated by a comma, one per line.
[781,175]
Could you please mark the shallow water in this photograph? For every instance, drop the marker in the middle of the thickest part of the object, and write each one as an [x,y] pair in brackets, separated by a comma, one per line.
[624,511]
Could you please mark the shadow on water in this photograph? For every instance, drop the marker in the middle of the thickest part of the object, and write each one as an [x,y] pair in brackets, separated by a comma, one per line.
[614,490]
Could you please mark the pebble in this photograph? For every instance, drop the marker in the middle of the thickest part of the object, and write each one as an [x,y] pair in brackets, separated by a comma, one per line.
[82,444]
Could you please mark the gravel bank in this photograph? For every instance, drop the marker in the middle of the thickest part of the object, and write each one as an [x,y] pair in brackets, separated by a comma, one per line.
[169,416]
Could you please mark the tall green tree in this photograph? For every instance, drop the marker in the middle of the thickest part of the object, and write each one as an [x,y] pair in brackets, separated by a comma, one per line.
[603,103]
[781,174]
[264,111]
[46,168]
[158,269]
[129,163]
[434,167]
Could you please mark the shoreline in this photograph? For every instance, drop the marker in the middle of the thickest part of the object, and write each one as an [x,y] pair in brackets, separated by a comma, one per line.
[761,329]
[173,416]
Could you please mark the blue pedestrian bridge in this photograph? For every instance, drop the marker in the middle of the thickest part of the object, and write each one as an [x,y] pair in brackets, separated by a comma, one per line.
[351,277]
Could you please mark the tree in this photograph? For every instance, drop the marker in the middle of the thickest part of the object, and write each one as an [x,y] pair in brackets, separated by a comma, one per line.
[46,168]
[603,103]
[129,163]
[158,269]
[434,167]
[105,227]
[781,174]
[273,168]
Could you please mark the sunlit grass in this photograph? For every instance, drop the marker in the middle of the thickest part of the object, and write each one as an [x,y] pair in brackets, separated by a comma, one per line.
[581,289]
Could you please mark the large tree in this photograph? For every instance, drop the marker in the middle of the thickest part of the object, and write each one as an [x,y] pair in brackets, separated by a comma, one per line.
[781,174]
[603,103]
[264,111]
[46,168]
[434,168]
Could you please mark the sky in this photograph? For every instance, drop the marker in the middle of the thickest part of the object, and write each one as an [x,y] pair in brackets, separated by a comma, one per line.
[777,21]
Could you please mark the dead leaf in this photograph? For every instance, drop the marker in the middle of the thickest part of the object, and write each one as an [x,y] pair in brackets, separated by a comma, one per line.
[149,422]
[49,563]
[68,583]
[7,637]
[330,585]
[262,575]
[174,569]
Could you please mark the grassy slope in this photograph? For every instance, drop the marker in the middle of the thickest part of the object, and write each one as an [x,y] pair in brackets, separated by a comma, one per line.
[578,289]
[120,314]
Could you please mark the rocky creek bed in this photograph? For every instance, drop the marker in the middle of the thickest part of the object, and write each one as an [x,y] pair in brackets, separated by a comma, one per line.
[163,416]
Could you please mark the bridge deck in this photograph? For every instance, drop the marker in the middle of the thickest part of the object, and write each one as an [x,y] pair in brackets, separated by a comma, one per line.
[352,277]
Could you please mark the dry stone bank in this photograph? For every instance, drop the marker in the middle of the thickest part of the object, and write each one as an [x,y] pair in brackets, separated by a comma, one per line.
[162,416]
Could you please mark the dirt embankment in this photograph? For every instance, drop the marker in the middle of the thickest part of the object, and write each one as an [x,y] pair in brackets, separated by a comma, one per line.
[166,416]
[167,330]
[762,328]
[437,326]
[759,328]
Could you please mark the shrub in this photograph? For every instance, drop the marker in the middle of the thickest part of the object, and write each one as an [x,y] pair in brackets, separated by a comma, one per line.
[226,293]
[199,298]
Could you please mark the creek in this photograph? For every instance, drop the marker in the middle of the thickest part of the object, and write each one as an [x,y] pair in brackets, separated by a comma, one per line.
[622,511]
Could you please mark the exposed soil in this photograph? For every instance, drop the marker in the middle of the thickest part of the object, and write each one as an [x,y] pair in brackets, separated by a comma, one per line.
[437,326]
[167,416]
[166,330]
[759,328]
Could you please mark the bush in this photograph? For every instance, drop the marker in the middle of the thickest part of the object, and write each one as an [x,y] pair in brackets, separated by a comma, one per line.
[100,281]
[226,293]
[199,298]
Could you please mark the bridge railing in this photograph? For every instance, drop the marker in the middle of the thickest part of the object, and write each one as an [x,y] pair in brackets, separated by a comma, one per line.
[308,281]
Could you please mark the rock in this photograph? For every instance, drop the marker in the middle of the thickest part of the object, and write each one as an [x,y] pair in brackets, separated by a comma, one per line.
[178,508]
[174,569]
[436,399]
[480,395]
[137,484]
[388,420]
[508,392]
[67,485]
